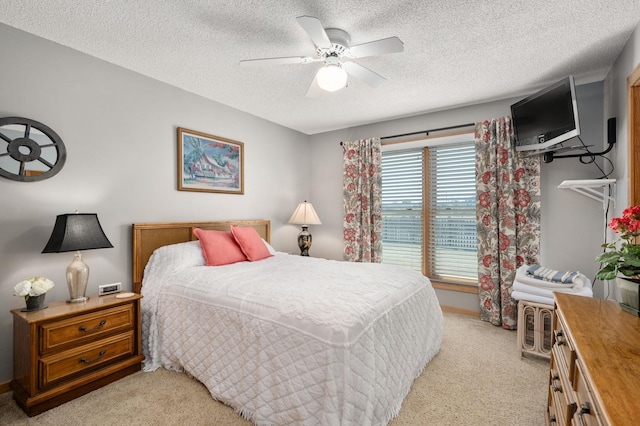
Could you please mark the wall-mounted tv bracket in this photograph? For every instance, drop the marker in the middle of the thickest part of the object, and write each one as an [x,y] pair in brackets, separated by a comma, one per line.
[548,157]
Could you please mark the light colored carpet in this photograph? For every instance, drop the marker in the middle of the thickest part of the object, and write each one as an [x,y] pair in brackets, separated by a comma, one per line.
[478,378]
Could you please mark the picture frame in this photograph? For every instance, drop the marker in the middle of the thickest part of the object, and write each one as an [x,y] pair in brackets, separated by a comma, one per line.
[208,163]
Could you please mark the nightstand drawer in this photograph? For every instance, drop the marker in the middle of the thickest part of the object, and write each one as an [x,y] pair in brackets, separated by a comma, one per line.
[68,363]
[74,330]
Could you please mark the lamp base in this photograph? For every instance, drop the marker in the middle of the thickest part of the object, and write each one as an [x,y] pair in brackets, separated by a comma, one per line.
[77,278]
[304,241]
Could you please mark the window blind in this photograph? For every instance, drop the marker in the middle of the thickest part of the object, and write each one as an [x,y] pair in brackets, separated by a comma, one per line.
[452,241]
[402,206]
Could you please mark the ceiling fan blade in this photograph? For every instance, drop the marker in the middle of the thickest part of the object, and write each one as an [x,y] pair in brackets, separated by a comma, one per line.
[316,31]
[378,47]
[279,61]
[314,90]
[364,74]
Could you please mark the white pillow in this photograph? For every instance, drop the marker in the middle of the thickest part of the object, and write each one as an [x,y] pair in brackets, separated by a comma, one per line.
[181,255]
[271,249]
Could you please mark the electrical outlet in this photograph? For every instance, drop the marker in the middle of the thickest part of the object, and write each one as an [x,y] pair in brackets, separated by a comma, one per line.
[109,289]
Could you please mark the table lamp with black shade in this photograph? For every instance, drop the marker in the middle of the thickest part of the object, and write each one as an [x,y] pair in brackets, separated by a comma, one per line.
[75,232]
[305,215]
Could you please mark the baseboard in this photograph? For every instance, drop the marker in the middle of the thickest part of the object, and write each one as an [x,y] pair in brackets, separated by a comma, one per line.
[456,310]
[5,387]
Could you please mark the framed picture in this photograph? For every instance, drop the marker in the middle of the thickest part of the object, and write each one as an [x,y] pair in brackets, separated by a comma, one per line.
[208,163]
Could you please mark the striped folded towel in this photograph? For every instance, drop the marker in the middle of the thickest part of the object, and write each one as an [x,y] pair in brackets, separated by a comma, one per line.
[541,273]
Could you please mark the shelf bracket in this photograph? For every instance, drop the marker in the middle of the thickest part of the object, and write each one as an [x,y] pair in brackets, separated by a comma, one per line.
[601,190]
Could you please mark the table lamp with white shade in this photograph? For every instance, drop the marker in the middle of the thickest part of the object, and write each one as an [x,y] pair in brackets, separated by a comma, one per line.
[304,215]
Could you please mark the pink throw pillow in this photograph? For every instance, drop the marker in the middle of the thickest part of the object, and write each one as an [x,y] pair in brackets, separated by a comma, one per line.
[219,247]
[250,243]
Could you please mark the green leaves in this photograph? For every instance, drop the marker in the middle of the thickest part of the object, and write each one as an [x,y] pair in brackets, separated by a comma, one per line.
[607,273]
[609,257]
[625,261]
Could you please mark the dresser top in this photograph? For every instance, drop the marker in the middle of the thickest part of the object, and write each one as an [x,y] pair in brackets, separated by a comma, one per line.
[607,342]
[62,308]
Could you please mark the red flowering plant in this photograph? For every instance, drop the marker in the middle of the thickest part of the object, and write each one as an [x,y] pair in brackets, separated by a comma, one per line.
[623,258]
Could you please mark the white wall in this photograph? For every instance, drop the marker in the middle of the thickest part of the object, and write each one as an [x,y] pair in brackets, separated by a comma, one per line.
[119,129]
[573,225]
[616,105]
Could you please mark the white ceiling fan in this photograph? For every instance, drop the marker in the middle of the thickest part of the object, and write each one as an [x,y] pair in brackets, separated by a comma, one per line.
[332,48]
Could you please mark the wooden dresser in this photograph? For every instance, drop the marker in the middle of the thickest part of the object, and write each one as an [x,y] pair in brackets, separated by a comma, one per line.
[67,350]
[595,364]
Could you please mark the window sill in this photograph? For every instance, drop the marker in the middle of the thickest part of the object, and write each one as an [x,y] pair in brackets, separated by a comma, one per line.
[462,288]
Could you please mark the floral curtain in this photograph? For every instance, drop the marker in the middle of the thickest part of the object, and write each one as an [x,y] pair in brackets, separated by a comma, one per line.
[362,200]
[508,218]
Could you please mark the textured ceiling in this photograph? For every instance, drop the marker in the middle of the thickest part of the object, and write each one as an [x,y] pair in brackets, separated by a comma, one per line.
[456,52]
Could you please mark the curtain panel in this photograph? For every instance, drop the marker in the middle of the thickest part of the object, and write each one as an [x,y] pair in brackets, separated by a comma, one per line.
[508,218]
[362,200]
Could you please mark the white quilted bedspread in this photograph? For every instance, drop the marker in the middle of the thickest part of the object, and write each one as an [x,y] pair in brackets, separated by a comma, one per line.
[291,340]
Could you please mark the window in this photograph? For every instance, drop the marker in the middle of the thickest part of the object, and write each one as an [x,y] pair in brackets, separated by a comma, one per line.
[452,241]
[402,207]
[428,211]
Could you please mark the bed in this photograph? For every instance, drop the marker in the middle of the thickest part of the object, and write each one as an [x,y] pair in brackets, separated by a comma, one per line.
[286,339]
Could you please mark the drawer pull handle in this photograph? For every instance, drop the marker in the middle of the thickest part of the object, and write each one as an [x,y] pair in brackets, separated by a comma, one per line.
[584,409]
[556,388]
[89,361]
[552,419]
[97,327]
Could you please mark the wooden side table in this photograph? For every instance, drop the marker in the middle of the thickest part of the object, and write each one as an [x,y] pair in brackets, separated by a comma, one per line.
[534,328]
[70,349]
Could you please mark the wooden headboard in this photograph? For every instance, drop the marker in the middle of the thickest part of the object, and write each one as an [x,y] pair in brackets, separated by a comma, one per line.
[149,236]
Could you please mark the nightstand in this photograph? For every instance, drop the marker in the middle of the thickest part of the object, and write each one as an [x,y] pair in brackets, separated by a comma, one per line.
[70,349]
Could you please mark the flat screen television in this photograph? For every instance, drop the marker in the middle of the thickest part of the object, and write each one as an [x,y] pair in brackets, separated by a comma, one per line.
[547,117]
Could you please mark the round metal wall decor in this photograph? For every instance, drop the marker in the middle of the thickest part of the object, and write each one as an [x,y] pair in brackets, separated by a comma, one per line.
[29,150]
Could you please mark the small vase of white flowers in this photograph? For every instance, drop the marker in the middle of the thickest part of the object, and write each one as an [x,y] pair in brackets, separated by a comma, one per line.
[33,290]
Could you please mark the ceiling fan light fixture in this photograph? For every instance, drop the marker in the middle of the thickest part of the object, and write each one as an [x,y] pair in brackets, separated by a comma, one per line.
[331,77]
